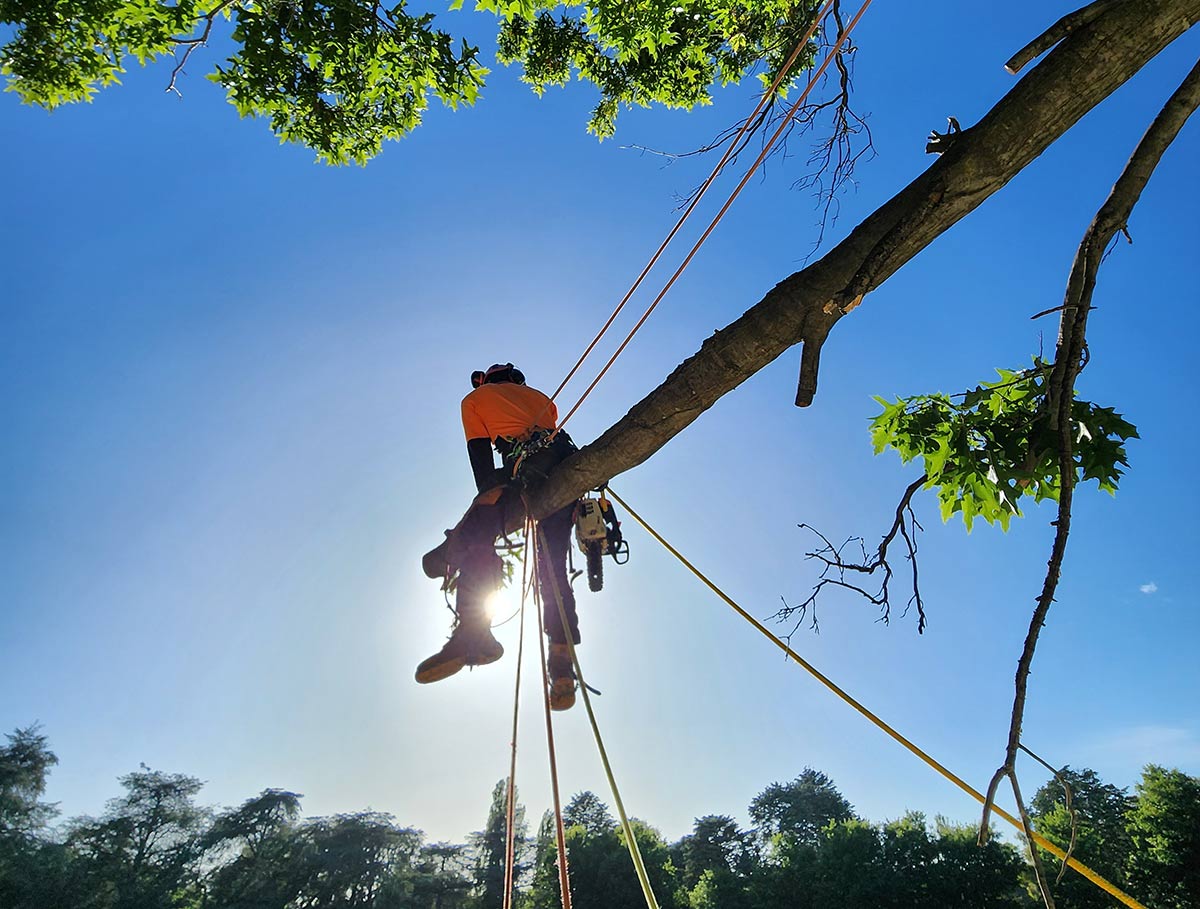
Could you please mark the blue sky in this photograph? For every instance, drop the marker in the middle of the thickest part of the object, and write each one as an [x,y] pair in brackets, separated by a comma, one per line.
[229,385]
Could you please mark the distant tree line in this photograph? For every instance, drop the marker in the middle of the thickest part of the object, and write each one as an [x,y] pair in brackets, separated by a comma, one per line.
[155,847]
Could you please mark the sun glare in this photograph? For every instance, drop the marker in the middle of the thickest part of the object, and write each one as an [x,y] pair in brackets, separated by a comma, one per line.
[503,603]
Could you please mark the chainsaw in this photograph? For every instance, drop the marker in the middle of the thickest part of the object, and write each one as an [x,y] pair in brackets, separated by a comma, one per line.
[598,533]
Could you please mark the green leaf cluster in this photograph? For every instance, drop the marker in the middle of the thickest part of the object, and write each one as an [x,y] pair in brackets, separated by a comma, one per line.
[343,76]
[66,50]
[644,52]
[985,452]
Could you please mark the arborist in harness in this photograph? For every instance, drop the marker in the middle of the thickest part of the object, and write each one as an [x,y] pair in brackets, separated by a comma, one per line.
[504,412]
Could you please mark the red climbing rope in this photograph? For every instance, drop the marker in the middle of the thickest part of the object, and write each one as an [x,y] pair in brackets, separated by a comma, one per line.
[564,878]
[510,831]
[784,123]
[729,152]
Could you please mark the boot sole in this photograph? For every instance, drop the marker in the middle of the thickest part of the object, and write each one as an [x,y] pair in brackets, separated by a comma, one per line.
[483,659]
[426,674]
[446,668]
[562,699]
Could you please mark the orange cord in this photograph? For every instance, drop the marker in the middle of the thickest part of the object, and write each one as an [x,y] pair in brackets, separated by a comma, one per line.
[732,196]
[510,838]
[800,45]
[564,878]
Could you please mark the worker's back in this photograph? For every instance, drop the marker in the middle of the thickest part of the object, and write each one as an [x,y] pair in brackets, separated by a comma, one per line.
[506,410]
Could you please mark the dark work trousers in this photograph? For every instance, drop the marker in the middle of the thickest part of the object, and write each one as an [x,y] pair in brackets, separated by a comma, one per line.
[481,569]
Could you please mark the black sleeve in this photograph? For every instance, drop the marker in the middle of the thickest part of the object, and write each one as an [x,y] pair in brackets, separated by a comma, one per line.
[483,465]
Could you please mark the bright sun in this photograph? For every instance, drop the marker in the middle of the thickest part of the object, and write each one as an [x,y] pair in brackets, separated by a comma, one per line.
[503,603]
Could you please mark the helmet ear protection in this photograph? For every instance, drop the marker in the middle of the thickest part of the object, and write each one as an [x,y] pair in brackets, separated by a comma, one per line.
[498,372]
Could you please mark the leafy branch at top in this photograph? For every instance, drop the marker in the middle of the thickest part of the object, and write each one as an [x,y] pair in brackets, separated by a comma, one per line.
[342,76]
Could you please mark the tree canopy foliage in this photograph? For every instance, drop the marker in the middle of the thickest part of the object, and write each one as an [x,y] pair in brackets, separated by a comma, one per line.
[342,76]
[156,847]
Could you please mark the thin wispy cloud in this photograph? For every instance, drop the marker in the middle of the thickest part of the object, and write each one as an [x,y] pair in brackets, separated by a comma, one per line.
[1148,588]
[1171,746]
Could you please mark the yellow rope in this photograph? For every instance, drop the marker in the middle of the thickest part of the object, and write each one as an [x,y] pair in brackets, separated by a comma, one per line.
[630,840]
[804,664]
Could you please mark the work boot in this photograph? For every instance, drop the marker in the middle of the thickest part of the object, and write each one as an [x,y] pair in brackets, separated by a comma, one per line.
[562,677]
[471,644]
[481,573]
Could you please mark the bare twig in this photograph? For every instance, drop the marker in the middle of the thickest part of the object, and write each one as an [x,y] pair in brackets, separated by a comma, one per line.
[766,115]
[1024,376]
[192,43]
[832,160]
[1056,33]
[1039,871]
[1046,312]
[1070,358]
[1068,797]
[836,568]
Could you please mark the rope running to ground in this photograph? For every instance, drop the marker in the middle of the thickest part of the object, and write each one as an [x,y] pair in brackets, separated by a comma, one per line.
[784,124]
[808,667]
[564,877]
[510,831]
[716,171]
[630,840]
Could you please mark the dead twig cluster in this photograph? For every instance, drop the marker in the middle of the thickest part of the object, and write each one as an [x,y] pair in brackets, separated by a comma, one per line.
[830,162]
[838,571]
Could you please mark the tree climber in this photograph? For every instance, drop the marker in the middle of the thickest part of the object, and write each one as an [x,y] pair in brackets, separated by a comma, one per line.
[519,421]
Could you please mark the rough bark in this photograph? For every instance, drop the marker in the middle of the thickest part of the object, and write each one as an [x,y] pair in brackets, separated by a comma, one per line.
[1056,33]
[1091,62]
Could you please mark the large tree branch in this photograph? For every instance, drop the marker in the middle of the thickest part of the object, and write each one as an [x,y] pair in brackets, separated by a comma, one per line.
[1090,63]
[1068,361]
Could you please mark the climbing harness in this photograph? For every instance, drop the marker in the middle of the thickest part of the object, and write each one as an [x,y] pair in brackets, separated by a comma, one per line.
[598,533]
[517,451]
[528,461]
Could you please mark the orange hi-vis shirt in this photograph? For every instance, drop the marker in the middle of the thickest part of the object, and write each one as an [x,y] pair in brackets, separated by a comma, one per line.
[506,410]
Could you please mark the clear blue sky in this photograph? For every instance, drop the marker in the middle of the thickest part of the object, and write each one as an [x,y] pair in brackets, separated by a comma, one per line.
[229,386]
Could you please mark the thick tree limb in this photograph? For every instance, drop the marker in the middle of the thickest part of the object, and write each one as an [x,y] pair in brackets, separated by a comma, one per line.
[1069,359]
[1080,72]
[1056,33]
